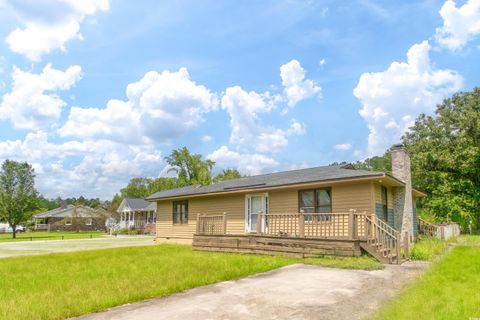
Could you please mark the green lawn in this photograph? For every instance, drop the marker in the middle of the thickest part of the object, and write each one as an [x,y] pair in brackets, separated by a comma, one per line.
[53,235]
[56,286]
[449,290]
[63,285]
[427,248]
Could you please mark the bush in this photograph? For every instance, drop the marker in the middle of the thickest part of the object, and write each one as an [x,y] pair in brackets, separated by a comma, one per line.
[427,248]
[122,231]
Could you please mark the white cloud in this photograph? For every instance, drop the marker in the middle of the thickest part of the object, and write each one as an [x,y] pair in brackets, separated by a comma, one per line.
[160,107]
[244,109]
[250,164]
[33,102]
[89,168]
[460,24]
[393,98]
[322,61]
[207,138]
[297,88]
[343,146]
[47,25]
[296,128]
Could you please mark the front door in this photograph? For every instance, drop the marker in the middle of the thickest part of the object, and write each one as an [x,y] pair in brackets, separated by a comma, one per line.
[255,204]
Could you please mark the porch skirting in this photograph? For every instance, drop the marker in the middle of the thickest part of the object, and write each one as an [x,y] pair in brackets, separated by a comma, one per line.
[273,245]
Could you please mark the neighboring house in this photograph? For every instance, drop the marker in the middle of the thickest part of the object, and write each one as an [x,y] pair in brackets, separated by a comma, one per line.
[323,196]
[71,218]
[137,214]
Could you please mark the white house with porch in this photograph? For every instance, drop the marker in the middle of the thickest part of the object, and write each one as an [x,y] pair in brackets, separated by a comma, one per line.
[136,213]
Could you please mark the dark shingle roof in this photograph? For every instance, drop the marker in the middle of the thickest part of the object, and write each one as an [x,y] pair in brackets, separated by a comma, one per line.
[69,210]
[317,174]
[137,203]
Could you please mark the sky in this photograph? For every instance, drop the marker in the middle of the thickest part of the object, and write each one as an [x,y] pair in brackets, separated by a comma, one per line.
[94,93]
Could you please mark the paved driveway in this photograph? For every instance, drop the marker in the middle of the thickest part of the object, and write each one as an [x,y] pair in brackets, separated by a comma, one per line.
[22,248]
[293,292]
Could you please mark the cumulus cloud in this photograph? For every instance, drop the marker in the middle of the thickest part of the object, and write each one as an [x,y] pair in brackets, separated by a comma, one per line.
[246,163]
[393,98]
[48,24]
[33,102]
[207,138]
[460,24]
[160,107]
[296,86]
[247,128]
[90,168]
[343,146]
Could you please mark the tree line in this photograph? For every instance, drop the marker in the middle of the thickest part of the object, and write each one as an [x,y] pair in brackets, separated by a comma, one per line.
[190,169]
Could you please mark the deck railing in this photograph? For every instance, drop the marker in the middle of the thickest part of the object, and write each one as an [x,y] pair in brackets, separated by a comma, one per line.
[312,225]
[212,224]
[345,225]
[383,236]
[427,228]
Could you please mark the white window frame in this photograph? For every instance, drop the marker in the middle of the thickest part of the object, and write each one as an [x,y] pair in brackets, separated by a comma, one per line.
[68,219]
[88,221]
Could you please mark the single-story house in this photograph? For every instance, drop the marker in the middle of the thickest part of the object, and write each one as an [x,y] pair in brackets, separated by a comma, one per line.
[71,218]
[137,214]
[317,194]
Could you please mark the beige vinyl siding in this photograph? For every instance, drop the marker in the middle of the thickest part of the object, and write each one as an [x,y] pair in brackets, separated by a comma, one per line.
[352,196]
[345,196]
[378,194]
[233,205]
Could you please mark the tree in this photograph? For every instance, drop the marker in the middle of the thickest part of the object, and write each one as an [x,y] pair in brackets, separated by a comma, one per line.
[136,188]
[18,197]
[376,163]
[227,175]
[190,168]
[445,151]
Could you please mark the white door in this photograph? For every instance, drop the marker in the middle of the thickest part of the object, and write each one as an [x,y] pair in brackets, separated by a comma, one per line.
[255,203]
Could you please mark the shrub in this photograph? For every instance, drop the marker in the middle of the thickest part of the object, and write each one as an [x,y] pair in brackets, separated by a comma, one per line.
[427,248]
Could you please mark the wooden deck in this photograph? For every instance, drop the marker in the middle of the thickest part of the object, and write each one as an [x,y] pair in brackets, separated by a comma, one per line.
[303,235]
[272,245]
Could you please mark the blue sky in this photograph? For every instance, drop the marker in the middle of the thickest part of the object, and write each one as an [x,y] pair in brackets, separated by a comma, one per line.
[93,93]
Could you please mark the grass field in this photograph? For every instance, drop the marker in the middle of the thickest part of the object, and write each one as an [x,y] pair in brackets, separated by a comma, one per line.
[449,290]
[427,248]
[56,286]
[53,235]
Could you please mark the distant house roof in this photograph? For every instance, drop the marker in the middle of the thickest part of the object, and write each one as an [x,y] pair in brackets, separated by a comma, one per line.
[309,175]
[71,210]
[136,204]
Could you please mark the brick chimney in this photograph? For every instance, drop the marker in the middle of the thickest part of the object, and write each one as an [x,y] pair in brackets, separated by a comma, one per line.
[402,196]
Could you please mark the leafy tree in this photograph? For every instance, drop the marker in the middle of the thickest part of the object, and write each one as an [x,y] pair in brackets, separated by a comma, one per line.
[227,175]
[376,163]
[445,151]
[18,197]
[191,169]
[136,188]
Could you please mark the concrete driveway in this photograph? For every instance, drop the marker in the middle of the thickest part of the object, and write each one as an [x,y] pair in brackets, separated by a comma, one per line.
[23,248]
[293,292]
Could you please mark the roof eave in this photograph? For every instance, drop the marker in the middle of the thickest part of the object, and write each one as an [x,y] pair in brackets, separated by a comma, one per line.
[374,176]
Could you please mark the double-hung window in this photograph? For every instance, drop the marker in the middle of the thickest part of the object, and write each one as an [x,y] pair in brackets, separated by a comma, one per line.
[315,201]
[180,212]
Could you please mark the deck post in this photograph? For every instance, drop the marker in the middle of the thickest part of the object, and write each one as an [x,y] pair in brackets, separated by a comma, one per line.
[198,223]
[405,245]
[301,224]
[399,239]
[259,222]
[351,224]
[224,223]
